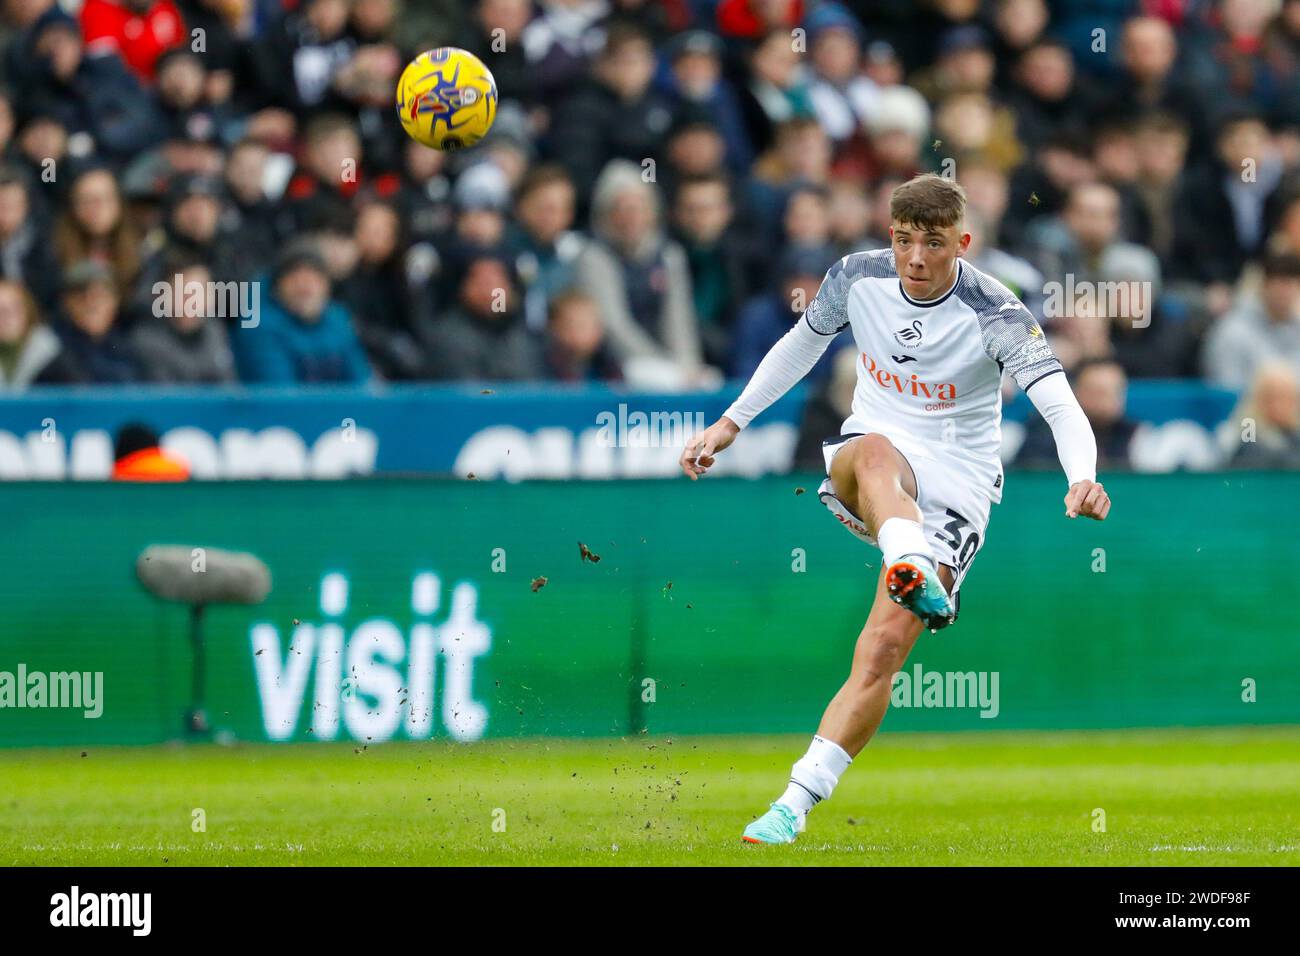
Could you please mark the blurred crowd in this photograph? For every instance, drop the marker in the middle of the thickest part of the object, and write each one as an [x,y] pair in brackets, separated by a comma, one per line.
[664,187]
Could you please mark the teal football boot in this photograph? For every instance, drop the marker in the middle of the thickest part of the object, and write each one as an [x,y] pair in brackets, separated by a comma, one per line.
[779,825]
[915,585]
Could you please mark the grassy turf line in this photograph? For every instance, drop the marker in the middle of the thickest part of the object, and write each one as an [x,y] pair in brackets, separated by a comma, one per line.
[1198,797]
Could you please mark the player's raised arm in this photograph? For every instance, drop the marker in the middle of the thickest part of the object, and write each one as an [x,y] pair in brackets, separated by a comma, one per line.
[1075,445]
[1014,339]
[789,360]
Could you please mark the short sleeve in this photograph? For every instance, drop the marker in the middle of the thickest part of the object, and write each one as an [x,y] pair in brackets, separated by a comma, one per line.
[828,313]
[1012,336]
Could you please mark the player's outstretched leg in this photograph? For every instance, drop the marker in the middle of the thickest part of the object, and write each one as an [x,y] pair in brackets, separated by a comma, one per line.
[911,592]
[850,720]
[874,478]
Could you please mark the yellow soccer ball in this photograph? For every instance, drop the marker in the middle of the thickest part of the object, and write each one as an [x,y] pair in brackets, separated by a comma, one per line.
[447,98]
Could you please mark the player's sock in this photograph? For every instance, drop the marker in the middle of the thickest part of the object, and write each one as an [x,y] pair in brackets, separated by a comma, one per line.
[900,537]
[815,775]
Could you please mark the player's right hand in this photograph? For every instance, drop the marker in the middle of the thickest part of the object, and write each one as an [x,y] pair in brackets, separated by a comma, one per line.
[698,456]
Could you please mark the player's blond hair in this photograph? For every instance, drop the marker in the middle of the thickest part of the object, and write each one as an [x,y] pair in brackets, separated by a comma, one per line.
[928,202]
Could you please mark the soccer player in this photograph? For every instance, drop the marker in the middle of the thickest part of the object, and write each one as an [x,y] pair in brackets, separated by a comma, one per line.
[915,468]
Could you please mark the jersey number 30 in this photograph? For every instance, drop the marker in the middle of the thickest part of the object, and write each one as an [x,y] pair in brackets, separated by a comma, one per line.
[958,535]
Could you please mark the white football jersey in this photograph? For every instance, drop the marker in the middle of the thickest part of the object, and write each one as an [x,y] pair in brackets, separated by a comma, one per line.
[930,373]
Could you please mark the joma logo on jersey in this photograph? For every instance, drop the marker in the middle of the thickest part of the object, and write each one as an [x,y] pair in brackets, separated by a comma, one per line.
[910,385]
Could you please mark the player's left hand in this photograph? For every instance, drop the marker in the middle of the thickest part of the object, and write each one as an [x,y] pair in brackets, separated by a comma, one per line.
[1087,498]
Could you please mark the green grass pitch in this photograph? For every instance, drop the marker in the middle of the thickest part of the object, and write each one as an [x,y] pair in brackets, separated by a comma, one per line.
[1179,797]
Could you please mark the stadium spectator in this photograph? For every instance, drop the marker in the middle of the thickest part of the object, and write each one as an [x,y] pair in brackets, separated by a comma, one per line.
[1102,390]
[1226,206]
[702,218]
[481,199]
[391,312]
[965,64]
[560,41]
[95,350]
[331,174]
[1161,142]
[21,63]
[1150,335]
[842,96]
[777,89]
[575,349]
[193,226]
[256,223]
[1017,274]
[183,341]
[695,82]
[302,335]
[1068,248]
[424,192]
[138,31]
[800,155]
[1258,330]
[806,220]
[850,217]
[615,115]
[42,143]
[1149,78]
[987,194]
[1043,183]
[751,19]
[972,124]
[543,241]
[1115,157]
[694,147]
[293,64]
[767,317]
[1266,425]
[1017,26]
[1045,92]
[495,34]
[895,135]
[88,94]
[25,253]
[223,26]
[658,19]
[95,226]
[1078,166]
[482,335]
[640,279]
[364,87]
[181,95]
[1081,335]
[27,345]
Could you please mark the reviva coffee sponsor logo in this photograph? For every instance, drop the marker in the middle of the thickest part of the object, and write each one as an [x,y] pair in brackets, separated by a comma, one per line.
[942,396]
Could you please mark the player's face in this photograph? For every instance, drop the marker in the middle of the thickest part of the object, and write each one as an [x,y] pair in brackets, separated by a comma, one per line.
[925,257]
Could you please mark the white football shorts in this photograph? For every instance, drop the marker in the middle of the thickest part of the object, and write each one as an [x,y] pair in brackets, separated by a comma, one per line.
[954,506]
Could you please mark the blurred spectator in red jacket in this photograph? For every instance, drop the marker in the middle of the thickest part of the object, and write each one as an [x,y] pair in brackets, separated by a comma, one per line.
[136,30]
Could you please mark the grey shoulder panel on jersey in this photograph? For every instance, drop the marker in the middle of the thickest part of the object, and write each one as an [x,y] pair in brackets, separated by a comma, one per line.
[1011,334]
[828,313]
